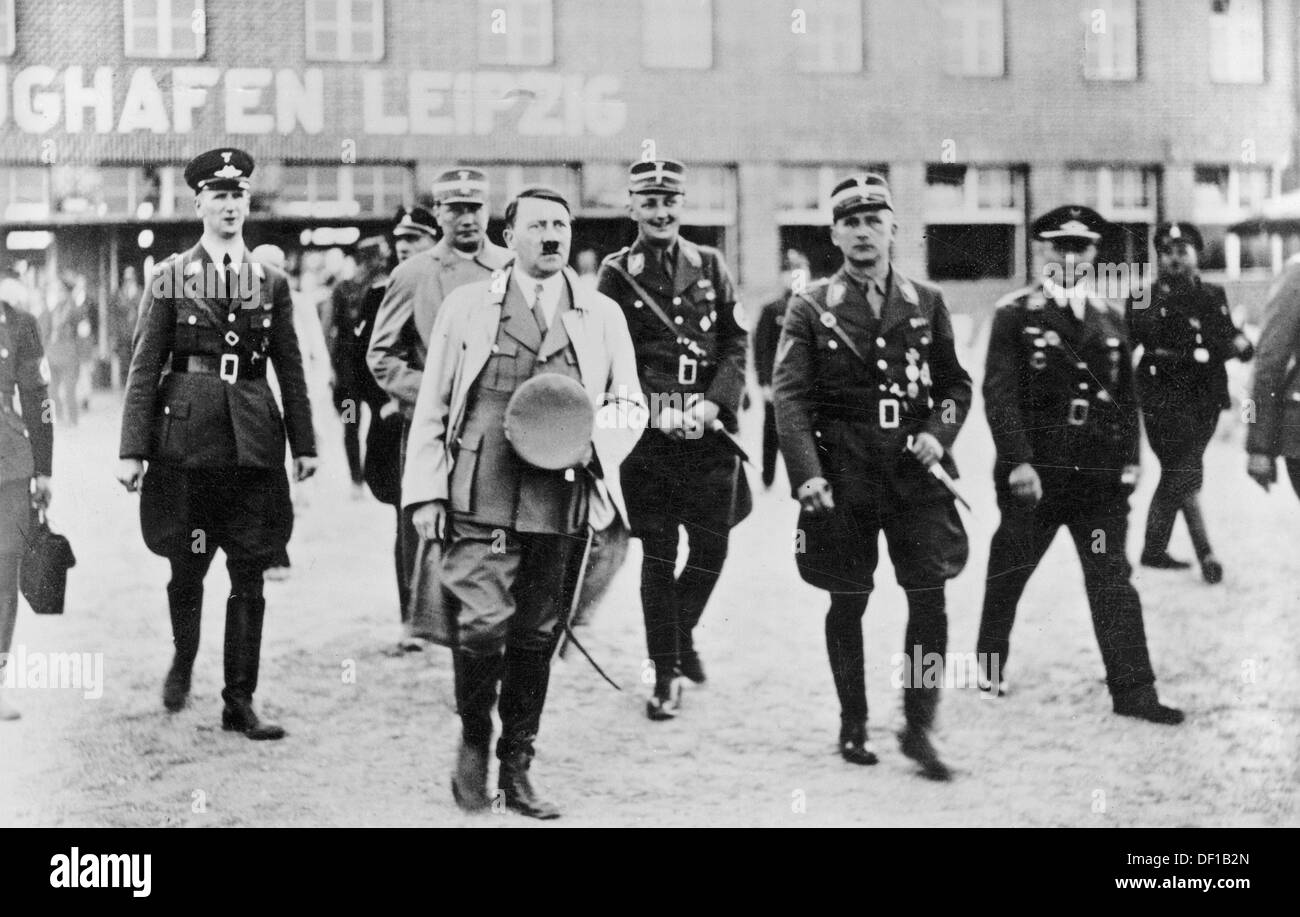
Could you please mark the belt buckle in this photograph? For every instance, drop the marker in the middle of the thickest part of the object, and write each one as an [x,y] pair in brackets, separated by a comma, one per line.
[889,413]
[229,370]
[687,369]
[1078,415]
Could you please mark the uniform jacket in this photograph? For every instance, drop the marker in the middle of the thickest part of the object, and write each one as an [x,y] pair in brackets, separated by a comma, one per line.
[1174,328]
[1060,396]
[461,344]
[199,420]
[1276,430]
[416,292]
[767,333]
[848,421]
[701,301]
[26,439]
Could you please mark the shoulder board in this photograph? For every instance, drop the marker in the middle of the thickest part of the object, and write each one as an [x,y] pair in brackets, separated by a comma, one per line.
[692,252]
[1031,297]
[908,291]
[613,257]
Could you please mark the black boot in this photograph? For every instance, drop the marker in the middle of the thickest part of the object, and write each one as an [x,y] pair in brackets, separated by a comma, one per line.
[666,701]
[854,746]
[523,695]
[1143,704]
[243,655]
[185,603]
[919,705]
[476,692]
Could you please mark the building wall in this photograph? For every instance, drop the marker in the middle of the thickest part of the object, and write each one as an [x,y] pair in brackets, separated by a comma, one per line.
[752,110]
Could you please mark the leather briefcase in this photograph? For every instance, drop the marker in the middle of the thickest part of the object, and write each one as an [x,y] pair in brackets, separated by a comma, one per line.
[43,570]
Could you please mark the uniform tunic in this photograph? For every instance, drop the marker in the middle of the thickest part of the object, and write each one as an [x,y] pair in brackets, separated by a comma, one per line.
[200,411]
[848,420]
[26,435]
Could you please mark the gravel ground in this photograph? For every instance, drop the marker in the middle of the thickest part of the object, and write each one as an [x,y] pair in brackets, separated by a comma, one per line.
[372,735]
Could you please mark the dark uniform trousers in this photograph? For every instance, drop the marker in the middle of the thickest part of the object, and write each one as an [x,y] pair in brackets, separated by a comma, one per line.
[1187,334]
[1060,396]
[1099,529]
[514,534]
[673,485]
[848,419]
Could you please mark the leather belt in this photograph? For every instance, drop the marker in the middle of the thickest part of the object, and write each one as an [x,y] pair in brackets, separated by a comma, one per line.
[228,366]
[885,413]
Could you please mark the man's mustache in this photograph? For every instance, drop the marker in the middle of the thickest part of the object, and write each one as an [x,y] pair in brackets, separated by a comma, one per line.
[550,248]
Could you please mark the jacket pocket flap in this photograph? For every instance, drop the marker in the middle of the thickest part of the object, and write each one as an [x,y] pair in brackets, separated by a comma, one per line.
[180,409]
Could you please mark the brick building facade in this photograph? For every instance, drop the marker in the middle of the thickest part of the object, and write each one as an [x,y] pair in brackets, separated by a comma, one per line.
[982,112]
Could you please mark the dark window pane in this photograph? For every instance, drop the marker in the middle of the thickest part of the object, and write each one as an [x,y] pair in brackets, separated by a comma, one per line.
[970,252]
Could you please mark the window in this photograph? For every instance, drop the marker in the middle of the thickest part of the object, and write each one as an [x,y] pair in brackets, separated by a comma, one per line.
[518,32]
[1126,196]
[832,42]
[1224,194]
[974,221]
[24,193]
[345,30]
[507,181]
[165,28]
[1110,43]
[973,38]
[677,34]
[1237,41]
[343,191]
[805,191]
[7,28]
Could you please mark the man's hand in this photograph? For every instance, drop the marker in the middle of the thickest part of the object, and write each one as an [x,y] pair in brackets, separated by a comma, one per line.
[815,495]
[672,422]
[1242,348]
[304,466]
[1025,484]
[130,472]
[1130,476]
[1263,468]
[430,520]
[391,407]
[927,449]
[704,413]
[768,394]
[42,493]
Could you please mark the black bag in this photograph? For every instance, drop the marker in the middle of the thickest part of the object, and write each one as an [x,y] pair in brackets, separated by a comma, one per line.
[432,611]
[43,571]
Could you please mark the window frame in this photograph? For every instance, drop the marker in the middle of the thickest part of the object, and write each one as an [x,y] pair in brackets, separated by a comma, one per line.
[827,177]
[344,54]
[802,61]
[9,22]
[163,50]
[484,34]
[1134,23]
[968,14]
[1231,54]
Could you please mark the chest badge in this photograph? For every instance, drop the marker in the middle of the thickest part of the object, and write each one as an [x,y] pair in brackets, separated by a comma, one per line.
[1052,338]
[635,263]
[835,295]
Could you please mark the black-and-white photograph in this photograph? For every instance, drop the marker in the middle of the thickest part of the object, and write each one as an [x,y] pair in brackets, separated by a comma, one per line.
[650,413]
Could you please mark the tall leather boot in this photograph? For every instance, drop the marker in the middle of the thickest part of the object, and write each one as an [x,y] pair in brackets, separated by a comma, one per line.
[476,692]
[185,604]
[243,656]
[927,635]
[844,650]
[523,695]
[1211,569]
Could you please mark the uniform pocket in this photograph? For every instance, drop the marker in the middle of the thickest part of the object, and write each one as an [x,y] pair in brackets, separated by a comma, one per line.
[463,471]
[172,431]
[501,372]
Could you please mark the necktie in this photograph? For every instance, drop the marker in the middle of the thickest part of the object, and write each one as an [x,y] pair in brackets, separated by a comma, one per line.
[538,312]
[228,276]
[666,259]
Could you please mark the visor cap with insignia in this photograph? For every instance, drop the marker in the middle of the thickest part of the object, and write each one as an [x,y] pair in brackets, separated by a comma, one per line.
[226,169]
[461,186]
[1071,221]
[1179,232]
[868,191]
[415,221]
[664,175]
